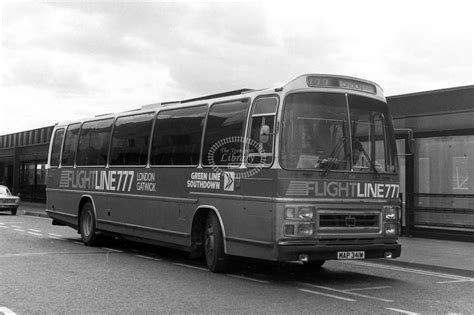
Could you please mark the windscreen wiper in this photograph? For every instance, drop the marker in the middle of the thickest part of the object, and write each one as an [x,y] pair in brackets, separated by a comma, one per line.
[371,163]
[331,160]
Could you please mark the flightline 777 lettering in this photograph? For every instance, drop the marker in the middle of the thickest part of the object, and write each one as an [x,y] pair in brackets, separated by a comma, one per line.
[342,189]
[108,180]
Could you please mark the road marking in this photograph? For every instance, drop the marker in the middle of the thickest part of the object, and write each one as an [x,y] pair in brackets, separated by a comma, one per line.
[350,293]
[148,257]
[6,311]
[110,249]
[246,278]
[417,271]
[455,281]
[33,233]
[16,226]
[189,266]
[33,230]
[31,254]
[400,311]
[371,288]
[52,234]
[19,230]
[328,295]
[2,226]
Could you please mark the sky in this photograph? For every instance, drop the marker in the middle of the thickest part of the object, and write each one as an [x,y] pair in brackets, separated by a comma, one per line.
[65,60]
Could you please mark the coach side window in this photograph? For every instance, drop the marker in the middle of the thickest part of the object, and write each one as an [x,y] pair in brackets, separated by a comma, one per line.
[262,129]
[94,142]
[223,143]
[70,145]
[130,140]
[177,136]
[56,149]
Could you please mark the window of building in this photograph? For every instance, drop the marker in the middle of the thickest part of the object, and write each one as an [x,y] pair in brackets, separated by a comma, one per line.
[223,143]
[70,145]
[130,140]
[177,136]
[40,173]
[27,174]
[56,149]
[444,165]
[444,186]
[94,142]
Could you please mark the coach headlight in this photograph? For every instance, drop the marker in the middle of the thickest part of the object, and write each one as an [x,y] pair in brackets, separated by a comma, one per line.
[305,213]
[305,229]
[390,213]
[391,229]
[300,213]
[299,220]
[297,229]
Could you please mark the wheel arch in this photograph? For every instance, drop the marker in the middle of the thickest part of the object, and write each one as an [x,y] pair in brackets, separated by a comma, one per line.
[199,219]
[82,202]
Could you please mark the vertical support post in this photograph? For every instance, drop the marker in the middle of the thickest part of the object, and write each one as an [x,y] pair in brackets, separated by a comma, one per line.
[410,186]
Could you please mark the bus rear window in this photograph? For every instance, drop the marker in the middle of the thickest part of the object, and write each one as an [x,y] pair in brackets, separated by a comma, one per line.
[70,145]
[56,149]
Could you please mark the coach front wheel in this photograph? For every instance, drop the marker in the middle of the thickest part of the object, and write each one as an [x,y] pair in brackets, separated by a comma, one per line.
[214,244]
[87,225]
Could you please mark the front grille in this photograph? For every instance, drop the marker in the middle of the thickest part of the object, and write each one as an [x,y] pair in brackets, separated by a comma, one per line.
[350,221]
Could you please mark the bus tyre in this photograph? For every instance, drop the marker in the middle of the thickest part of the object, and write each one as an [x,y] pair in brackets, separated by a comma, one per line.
[214,244]
[87,225]
[13,211]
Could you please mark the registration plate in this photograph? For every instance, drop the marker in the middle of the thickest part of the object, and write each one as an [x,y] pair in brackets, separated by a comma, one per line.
[351,255]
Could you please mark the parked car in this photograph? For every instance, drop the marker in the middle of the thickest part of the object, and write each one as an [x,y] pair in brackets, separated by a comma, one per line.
[8,202]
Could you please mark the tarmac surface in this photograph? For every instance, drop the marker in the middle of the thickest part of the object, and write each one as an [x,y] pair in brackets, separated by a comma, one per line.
[418,252]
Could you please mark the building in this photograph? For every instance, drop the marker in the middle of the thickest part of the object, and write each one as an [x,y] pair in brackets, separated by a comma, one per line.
[23,157]
[437,179]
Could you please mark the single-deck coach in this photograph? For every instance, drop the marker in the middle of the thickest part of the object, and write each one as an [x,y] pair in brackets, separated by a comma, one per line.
[303,172]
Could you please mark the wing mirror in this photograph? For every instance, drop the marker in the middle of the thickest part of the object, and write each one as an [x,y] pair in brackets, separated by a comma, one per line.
[408,135]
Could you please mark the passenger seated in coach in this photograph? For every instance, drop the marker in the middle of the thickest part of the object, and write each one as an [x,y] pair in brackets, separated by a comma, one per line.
[358,159]
[313,148]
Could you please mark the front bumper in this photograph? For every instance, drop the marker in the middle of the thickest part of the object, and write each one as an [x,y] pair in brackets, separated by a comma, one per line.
[8,206]
[329,252]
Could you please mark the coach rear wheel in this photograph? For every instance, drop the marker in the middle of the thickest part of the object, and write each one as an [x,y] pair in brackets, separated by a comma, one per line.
[214,245]
[87,225]
[13,211]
